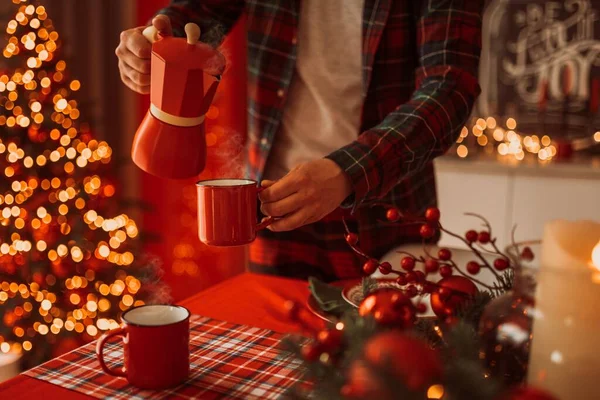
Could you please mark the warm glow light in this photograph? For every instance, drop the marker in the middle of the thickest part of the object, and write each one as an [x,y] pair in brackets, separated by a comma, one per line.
[597,136]
[596,256]
[511,123]
[462,151]
[435,392]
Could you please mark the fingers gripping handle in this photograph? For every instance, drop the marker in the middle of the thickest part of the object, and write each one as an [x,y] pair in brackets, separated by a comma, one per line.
[192,32]
[120,331]
[266,221]
[150,33]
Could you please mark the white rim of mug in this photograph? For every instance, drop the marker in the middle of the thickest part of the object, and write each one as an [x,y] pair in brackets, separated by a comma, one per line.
[155,305]
[207,182]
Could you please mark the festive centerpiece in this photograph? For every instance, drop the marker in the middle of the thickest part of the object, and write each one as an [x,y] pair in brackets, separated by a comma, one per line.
[388,349]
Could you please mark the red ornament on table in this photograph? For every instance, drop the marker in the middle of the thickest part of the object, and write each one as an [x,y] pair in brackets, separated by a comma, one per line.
[409,359]
[310,352]
[389,307]
[330,340]
[453,292]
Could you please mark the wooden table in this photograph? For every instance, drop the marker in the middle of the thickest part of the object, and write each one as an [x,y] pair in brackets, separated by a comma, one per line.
[245,299]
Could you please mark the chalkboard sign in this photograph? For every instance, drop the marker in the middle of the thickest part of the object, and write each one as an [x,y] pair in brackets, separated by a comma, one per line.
[540,64]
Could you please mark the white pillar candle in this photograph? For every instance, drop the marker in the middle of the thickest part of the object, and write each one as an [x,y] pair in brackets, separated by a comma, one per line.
[566,330]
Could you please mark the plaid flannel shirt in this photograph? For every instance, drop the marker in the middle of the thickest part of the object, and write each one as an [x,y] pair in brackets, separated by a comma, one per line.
[420,61]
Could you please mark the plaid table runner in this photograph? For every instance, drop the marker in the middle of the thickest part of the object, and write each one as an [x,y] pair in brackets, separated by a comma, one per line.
[228,361]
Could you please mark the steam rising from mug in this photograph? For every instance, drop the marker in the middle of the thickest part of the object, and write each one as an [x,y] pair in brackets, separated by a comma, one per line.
[170,142]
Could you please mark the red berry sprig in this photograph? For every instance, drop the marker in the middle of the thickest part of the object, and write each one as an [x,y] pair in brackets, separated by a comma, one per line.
[414,281]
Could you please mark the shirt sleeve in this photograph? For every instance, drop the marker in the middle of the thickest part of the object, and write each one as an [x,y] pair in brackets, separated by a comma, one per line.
[448,43]
[214,17]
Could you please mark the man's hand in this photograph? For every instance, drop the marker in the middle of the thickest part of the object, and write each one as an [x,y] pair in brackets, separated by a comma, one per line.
[134,52]
[305,195]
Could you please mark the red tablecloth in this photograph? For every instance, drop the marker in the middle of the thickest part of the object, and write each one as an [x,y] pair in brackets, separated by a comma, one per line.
[245,299]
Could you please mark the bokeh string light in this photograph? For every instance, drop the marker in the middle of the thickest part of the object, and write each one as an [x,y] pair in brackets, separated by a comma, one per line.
[67,268]
[506,140]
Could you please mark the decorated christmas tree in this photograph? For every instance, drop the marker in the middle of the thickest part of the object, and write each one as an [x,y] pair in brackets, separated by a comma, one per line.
[68,259]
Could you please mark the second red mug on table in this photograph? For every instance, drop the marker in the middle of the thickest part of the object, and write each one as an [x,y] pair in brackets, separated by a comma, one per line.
[156,346]
[227,211]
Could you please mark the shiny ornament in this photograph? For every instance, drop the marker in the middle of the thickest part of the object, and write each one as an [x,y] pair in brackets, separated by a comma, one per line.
[310,352]
[329,339]
[407,358]
[389,307]
[362,383]
[455,291]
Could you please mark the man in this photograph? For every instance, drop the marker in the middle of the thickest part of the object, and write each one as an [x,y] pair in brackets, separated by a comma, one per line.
[349,102]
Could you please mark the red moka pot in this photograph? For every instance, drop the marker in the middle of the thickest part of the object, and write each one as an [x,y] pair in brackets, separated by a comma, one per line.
[170,142]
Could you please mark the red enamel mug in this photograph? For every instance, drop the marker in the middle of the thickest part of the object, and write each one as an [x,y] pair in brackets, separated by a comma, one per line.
[156,346]
[227,211]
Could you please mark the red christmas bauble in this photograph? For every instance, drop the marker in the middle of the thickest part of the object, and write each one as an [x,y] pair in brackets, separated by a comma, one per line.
[409,359]
[330,339]
[362,383]
[389,307]
[454,291]
[528,393]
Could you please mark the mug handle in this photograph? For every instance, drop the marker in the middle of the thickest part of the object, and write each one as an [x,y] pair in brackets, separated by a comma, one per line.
[267,221]
[120,331]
